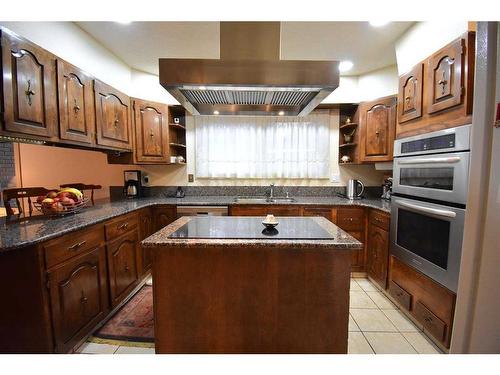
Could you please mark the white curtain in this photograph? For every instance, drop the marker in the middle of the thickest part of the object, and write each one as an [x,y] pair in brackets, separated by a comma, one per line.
[263,147]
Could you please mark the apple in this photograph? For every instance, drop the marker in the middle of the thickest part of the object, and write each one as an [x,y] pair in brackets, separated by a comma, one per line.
[63,194]
[67,201]
[51,194]
[57,199]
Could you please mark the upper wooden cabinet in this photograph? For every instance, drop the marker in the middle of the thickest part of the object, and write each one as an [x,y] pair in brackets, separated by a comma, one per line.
[29,88]
[442,97]
[377,129]
[445,77]
[112,117]
[76,104]
[151,132]
[410,94]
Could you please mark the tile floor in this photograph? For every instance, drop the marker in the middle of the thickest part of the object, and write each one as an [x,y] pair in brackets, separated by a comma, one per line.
[375,326]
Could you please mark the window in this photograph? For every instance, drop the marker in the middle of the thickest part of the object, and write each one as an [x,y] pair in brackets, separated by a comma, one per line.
[263,147]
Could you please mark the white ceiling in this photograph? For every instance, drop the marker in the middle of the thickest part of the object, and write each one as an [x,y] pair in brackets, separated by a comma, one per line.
[141,44]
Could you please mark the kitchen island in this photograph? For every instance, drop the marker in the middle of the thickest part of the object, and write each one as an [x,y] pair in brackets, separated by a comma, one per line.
[226,285]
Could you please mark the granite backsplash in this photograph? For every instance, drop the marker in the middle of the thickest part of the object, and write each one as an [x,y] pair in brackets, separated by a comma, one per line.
[117,192]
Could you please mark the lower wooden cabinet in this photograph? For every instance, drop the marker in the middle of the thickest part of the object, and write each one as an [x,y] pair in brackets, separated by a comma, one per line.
[377,249]
[352,220]
[146,229]
[78,297]
[163,216]
[263,210]
[326,212]
[122,266]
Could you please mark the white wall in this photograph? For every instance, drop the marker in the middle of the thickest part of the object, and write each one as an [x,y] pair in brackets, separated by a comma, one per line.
[74,45]
[146,86]
[423,39]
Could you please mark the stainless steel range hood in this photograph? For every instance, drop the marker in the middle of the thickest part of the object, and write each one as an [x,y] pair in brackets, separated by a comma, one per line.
[249,78]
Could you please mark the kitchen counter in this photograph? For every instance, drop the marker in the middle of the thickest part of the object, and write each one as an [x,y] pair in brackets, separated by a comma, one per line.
[218,294]
[34,230]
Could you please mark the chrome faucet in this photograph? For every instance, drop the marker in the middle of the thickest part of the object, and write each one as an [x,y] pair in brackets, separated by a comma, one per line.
[271,193]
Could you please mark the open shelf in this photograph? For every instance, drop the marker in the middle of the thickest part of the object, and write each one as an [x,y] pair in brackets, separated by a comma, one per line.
[349,122]
[352,125]
[348,145]
[177,145]
[177,126]
[177,132]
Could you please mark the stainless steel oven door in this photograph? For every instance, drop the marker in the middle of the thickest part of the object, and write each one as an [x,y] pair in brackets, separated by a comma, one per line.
[442,177]
[428,237]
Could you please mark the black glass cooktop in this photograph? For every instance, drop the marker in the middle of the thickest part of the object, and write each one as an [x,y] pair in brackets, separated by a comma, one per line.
[220,227]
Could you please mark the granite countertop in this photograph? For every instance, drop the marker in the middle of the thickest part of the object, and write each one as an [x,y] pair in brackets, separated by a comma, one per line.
[38,229]
[339,239]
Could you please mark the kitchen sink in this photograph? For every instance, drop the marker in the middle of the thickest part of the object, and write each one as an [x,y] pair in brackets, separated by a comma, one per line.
[263,200]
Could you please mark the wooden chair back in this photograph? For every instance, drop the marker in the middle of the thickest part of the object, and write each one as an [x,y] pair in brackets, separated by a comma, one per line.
[83,187]
[19,194]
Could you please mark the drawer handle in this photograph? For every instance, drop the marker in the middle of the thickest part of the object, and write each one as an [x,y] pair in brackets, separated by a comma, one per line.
[83,299]
[126,267]
[123,226]
[76,245]
[428,319]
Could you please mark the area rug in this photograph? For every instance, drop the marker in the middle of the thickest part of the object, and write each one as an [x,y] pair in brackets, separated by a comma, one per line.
[134,321]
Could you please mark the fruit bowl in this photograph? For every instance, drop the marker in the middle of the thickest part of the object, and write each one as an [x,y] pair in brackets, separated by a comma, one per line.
[60,203]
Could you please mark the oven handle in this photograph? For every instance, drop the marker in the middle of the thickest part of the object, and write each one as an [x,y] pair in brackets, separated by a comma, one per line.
[450,160]
[428,210]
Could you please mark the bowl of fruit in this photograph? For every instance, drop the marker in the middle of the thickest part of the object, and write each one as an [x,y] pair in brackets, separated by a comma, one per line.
[61,202]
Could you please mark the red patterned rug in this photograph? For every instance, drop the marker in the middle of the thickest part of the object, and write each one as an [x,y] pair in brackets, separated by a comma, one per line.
[134,321]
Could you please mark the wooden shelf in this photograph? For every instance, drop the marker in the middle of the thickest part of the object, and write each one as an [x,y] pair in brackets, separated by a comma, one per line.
[177,145]
[348,126]
[348,145]
[178,126]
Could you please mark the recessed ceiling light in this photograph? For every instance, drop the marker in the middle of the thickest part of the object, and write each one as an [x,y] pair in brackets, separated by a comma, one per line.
[124,22]
[345,66]
[202,88]
[378,23]
[216,112]
[281,113]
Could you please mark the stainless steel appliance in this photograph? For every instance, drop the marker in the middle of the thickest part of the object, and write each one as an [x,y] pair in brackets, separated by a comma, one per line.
[202,211]
[352,189]
[133,185]
[431,173]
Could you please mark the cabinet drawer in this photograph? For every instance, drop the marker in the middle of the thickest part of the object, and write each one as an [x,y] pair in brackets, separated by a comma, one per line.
[431,322]
[120,225]
[350,218]
[380,219]
[400,295]
[70,245]
[325,212]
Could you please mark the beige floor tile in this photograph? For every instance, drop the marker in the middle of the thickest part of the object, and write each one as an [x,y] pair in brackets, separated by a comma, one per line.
[134,350]
[357,344]
[353,327]
[360,300]
[389,343]
[367,285]
[369,320]
[421,343]
[381,301]
[402,323]
[355,287]
[93,348]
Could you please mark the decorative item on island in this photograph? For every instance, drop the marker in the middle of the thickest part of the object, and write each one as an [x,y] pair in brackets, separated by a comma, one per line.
[65,201]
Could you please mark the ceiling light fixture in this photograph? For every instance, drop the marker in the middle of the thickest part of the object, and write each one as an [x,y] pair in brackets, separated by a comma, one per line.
[345,66]
[281,113]
[202,88]
[124,22]
[378,23]
[216,112]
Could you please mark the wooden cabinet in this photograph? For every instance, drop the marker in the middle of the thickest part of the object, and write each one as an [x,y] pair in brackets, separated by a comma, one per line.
[146,229]
[78,297]
[29,88]
[163,216]
[263,210]
[445,77]
[326,212]
[76,104]
[377,129]
[429,302]
[410,94]
[122,266]
[377,250]
[352,220]
[442,98]
[151,132]
[112,117]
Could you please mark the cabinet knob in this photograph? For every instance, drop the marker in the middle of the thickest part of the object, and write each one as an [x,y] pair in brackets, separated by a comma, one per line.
[76,107]
[116,123]
[126,267]
[29,92]
[83,299]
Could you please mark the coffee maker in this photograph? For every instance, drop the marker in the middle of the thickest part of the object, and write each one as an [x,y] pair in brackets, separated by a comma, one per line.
[133,187]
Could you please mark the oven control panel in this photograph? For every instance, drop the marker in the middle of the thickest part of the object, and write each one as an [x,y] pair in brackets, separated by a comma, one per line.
[428,144]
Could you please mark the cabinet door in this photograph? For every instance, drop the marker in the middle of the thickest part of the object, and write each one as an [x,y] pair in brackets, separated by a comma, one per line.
[445,77]
[410,94]
[163,216]
[378,254]
[146,229]
[29,88]
[377,127]
[112,117]
[151,132]
[357,256]
[76,104]
[122,266]
[325,212]
[78,295]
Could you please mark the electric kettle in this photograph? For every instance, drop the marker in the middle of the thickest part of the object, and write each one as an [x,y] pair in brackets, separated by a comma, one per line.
[352,189]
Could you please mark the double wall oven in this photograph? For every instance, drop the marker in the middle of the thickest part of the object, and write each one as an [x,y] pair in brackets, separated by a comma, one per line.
[430,180]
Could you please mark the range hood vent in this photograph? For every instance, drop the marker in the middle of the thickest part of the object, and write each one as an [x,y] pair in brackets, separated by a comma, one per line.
[249,79]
